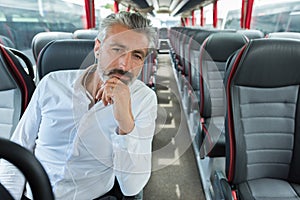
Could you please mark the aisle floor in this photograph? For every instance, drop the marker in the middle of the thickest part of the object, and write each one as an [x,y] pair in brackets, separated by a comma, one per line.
[175,174]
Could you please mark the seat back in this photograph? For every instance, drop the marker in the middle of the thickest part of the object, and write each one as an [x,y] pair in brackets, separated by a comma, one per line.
[195,45]
[147,74]
[65,54]
[263,115]
[215,51]
[16,89]
[41,39]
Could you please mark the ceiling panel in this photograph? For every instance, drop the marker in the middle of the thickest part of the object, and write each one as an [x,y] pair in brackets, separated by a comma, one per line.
[173,7]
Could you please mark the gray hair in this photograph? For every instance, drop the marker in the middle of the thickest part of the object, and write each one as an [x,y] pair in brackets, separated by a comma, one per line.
[134,21]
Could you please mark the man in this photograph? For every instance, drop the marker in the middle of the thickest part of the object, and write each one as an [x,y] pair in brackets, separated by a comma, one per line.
[90,128]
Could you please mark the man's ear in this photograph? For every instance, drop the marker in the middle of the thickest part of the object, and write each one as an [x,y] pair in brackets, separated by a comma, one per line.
[96,48]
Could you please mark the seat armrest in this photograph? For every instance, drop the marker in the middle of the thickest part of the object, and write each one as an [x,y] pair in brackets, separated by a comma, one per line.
[221,188]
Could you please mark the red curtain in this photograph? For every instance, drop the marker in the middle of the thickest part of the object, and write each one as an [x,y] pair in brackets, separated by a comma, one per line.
[193,18]
[116,7]
[187,21]
[249,13]
[201,17]
[90,13]
[243,12]
[246,13]
[215,14]
[182,21]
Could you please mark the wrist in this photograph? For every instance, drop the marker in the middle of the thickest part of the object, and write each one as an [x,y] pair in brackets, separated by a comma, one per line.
[124,130]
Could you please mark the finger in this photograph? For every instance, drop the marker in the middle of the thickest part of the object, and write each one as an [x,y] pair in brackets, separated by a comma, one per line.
[99,94]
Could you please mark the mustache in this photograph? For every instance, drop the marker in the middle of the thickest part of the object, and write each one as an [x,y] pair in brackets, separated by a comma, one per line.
[121,72]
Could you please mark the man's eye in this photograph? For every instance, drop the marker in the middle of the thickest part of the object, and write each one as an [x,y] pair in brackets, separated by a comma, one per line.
[116,49]
[139,57]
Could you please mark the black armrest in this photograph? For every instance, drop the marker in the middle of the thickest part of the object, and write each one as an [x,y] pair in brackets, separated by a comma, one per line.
[221,188]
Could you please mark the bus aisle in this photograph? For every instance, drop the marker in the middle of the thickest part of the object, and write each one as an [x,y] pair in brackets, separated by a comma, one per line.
[174,170]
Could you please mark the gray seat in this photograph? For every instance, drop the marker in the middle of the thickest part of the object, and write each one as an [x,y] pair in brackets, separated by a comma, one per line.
[263,116]
[41,39]
[215,52]
[65,54]
[16,89]
[148,72]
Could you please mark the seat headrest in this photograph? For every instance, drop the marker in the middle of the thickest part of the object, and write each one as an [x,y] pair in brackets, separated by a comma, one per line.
[268,63]
[252,33]
[6,41]
[85,34]
[65,54]
[41,39]
[291,35]
[220,46]
[198,39]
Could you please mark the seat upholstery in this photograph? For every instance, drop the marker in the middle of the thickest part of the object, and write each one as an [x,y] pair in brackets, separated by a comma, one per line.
[215,51]
[65,54]
[41,39]
[16,89]
[262,133]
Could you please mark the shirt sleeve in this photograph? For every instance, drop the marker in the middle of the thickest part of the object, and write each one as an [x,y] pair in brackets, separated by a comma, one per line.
[25,135]
[132,152]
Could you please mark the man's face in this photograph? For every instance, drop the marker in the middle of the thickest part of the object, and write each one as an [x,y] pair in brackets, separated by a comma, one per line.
[122,54]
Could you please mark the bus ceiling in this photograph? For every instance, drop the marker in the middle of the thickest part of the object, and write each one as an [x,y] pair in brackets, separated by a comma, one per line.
[183,8]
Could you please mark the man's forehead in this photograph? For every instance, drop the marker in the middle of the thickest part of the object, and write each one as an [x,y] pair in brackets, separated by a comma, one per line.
[129,38]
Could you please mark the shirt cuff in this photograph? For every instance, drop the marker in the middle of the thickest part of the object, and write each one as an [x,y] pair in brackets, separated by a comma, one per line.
[126,142]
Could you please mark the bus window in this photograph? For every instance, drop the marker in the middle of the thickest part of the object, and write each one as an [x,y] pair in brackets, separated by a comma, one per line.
[21,20]
[270,23]
[232,20]
[271,17]
[294,22]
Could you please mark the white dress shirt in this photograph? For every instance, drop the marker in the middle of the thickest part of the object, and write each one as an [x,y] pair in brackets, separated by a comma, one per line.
[79,147]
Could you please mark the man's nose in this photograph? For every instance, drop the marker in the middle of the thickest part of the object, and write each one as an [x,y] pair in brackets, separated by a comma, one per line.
[125,61]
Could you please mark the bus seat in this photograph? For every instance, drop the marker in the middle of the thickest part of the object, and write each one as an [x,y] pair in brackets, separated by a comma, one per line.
[6,41]
[16,89]
[215,51]
[85,34]
[174,34]
[31,168]
[291,35]
[251,33]
[65,54]
[184,39]
[41,39]
[192,89]
[148,73]
[262,133]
